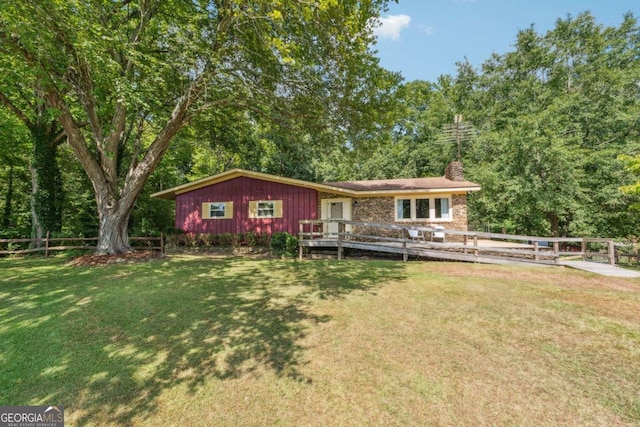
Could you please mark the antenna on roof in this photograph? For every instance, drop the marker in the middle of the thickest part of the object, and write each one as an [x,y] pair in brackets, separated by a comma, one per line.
[458,132]
[458,121]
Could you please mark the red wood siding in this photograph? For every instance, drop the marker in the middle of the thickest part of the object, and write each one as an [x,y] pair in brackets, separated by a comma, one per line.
[297,203]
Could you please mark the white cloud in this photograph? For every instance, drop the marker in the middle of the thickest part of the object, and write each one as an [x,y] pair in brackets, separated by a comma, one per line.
[390,27]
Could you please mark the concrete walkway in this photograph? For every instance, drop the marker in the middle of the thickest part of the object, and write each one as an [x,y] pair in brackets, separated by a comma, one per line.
[601,268]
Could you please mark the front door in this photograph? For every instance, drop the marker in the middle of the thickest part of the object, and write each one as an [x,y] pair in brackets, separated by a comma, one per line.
[336,209]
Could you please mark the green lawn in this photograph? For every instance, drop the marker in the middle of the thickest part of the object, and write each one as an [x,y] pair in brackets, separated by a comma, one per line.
[238,341]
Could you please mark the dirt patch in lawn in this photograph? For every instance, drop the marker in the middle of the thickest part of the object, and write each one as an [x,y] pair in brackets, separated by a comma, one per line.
[93,260]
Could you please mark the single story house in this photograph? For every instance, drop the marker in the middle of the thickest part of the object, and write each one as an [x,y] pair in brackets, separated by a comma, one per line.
[240,201]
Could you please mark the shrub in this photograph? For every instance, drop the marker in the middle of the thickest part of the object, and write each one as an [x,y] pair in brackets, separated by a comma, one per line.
[292,245]
[284,243]
[250,239]
[203,240]
[279,241]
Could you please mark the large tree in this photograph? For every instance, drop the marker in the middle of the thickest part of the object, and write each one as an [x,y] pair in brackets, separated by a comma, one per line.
[124,77]
[20,98]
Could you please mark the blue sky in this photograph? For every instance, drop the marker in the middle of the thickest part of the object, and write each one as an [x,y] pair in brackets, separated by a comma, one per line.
[425,38]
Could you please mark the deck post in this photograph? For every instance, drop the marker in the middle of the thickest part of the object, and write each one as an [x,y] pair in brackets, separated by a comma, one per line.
[556,252]
[405,255]
[301,238]
[475,246]
[341,229]
[536,250]
[612,252]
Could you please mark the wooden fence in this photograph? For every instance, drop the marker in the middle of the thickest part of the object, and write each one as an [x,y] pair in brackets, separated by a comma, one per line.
[48,244]
[452,244]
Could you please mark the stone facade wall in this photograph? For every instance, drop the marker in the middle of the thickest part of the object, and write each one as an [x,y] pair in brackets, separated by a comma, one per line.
[459,202]
[381,210]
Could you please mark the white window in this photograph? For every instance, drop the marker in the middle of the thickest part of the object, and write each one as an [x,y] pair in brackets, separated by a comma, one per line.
[217,210]
[403,209]
[442,208]
[265,209]
[423,209]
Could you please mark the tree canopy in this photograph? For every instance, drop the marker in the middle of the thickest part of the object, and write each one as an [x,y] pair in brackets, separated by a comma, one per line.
[125,77]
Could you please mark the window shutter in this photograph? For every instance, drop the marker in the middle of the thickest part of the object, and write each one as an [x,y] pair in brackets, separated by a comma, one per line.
[277,209]
[228,210]
[253,209]
[206,210]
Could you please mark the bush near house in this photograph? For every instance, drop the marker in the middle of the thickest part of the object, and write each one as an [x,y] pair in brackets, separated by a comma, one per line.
[283,243]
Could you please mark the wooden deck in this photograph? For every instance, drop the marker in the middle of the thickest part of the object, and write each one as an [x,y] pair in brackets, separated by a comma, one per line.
[487,248]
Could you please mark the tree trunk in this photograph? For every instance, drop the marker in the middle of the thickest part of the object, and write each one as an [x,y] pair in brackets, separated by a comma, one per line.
[113,235]
[47,192]
[555,224]
[36,226]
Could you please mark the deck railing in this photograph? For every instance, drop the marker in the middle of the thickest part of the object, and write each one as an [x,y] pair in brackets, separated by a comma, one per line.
[507,246]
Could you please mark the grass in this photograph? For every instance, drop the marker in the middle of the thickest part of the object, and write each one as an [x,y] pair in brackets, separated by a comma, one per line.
[240,341]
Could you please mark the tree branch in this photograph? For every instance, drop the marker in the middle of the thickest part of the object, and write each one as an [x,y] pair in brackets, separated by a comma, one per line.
[139,172]
[15,110]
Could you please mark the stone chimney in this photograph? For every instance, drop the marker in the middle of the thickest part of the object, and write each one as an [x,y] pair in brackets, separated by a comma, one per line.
[454,172]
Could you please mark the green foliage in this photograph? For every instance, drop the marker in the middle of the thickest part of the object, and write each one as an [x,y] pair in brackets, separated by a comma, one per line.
[279,241]
[15,218]
[124,78]
[291,246]
[48,197]
[546,124]
[633,168]
[284,243]
[559,109]
[207,240]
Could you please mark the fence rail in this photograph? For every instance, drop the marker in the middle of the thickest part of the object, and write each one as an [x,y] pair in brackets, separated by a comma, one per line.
[397,238]
[48,244]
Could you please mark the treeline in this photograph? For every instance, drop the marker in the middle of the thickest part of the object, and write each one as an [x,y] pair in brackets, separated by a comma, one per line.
[548,129]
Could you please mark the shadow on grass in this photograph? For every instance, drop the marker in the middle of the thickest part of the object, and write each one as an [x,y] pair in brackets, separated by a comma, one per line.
[107,342]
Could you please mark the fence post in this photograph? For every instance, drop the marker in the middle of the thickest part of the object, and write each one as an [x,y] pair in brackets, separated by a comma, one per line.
[612,252]
[46,244]
[536,250]
[556,252]
[584,250]
[162,243]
